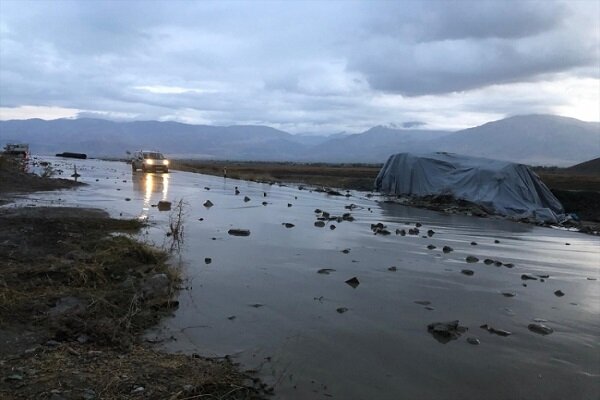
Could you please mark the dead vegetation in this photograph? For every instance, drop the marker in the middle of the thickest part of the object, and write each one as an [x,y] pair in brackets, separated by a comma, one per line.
[345,176]
[85,295]
[76,292]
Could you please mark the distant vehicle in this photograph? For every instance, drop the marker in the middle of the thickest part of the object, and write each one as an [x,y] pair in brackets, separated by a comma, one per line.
[17,149]
[67,154]
[149,161]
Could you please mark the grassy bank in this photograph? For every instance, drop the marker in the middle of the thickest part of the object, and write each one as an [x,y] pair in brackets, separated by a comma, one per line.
[77,290]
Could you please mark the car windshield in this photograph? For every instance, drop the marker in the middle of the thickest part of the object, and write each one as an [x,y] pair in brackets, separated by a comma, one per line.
[153,156]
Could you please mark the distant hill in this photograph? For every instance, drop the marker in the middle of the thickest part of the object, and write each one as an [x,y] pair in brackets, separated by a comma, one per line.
[98,137]
[529,139]
[591,167]
[373,145]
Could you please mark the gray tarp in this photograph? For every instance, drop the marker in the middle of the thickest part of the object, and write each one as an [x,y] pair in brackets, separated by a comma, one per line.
[501,187]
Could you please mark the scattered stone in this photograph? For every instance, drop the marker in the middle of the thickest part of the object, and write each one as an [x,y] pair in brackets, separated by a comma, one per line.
[325,271]
[545,276]
[430,233]
[444,332]
[497,263]
[346,251]
[418,225]
[256,305]
[353,282]
[264,203]
[590,278]
[332,227]
[567,244]
[231,318]
[400,232]
[509,265]
[526,277]
[496,241]
[428,308]
[289,204]
[413,231]
[393,269]
[207,260]
[139,389]
[500,332]
[239,232]
[430,247]
[347,217]
[468,272]
[14,377]
[473,243]
[473,340]
[509,294]
[127,199]
[246,199]
[472,259]
[488,261]
[52,343]
[164,205]
[319,224]
[206,188]
[288,225]
[559,293]
[318,211]
[237,191]
[540,329]
[208,204]
[341,310]
[83,338]
[447,249]
[423,302]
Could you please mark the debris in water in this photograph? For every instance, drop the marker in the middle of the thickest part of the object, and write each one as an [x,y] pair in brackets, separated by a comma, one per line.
[471,259]
[444,332]
[500,332]
[430,247]
[559,293]
[288,225]
[468,272]
[393,269]
[239,232]
[526,277]
[325,271]
[332,227]
[473,340]
[246,199]
[353,282]
[319,224]
[208,204]
[473,243]
[447,249]
[164,205]
[341,310]
[540,329]
[430,233]
[207,260]
[346,251]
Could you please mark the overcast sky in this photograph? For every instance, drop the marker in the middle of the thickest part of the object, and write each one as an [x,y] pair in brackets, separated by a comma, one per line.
[304,66]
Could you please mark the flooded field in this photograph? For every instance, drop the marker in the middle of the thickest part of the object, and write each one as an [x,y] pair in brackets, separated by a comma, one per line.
[278,300]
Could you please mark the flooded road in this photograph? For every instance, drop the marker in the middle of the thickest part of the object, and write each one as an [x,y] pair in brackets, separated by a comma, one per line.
[262,301]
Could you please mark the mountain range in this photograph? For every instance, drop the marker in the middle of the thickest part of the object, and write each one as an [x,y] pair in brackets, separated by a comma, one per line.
[529,139]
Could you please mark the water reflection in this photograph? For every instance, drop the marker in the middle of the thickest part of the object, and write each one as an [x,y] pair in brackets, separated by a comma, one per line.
[153,187]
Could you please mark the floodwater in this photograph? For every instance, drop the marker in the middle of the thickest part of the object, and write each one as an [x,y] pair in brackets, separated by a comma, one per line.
[261,301]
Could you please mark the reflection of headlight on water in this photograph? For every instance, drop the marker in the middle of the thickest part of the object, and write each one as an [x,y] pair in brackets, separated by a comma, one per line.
[165,190]
[149,186]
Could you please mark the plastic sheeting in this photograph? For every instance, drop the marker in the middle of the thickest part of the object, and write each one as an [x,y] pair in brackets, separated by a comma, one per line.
[500,187]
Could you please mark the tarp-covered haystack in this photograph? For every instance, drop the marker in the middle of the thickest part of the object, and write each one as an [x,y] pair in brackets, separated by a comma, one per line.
[500,187]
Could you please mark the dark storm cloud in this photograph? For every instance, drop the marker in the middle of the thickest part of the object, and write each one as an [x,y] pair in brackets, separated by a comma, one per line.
[290,64]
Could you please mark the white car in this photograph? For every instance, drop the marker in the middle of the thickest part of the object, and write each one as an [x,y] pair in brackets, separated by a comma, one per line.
[149,161]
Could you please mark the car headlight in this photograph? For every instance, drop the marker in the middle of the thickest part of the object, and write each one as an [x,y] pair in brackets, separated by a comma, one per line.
[166,162]
[150,162]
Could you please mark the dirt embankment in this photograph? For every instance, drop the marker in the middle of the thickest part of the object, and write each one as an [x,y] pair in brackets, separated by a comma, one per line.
[74,300]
